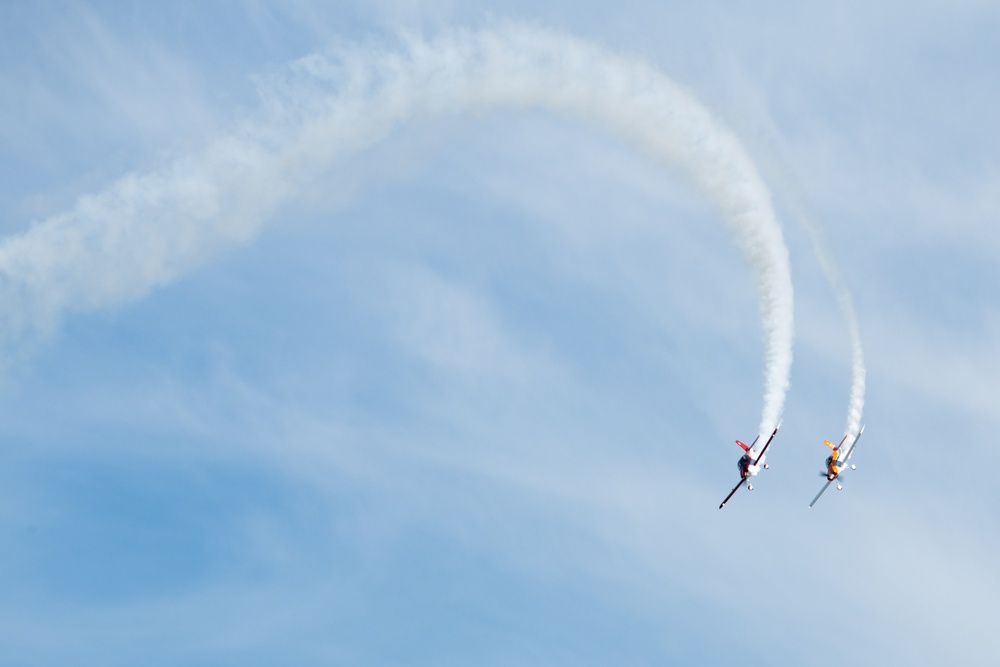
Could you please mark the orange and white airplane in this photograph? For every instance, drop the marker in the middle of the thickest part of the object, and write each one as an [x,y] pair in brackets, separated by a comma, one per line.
[836,462]
[750,463]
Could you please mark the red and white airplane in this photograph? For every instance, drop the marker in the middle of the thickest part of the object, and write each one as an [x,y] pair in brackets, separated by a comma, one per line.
[836,462]
[750,463]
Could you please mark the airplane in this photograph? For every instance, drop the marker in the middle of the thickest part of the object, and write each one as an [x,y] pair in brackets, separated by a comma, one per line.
[836,463]
[750,464]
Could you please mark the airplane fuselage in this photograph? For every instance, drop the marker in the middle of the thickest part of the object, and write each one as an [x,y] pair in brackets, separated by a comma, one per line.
[833,465]
[749,464]
[747,467]
[837,461]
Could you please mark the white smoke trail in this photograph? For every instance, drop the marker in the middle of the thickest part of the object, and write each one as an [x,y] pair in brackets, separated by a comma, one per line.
[856,401]
[148,229]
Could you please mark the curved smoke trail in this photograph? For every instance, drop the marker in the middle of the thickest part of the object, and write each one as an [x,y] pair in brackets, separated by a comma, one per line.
[147,229]
[856,402]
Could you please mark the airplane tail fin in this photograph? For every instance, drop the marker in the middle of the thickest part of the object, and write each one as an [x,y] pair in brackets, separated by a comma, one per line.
[829,444]
[745,448]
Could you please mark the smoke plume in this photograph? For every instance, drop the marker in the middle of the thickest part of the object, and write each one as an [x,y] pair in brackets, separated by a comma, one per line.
[856,401]
[147,229]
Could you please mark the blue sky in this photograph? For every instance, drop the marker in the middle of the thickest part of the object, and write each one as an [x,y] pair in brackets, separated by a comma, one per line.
[470,396]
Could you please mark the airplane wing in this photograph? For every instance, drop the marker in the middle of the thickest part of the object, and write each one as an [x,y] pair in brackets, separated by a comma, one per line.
[825,486]
[854,444]
[766,445]
[735,489]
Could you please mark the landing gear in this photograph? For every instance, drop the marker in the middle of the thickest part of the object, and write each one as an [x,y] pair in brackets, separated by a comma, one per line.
[840,487]
[749,487]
